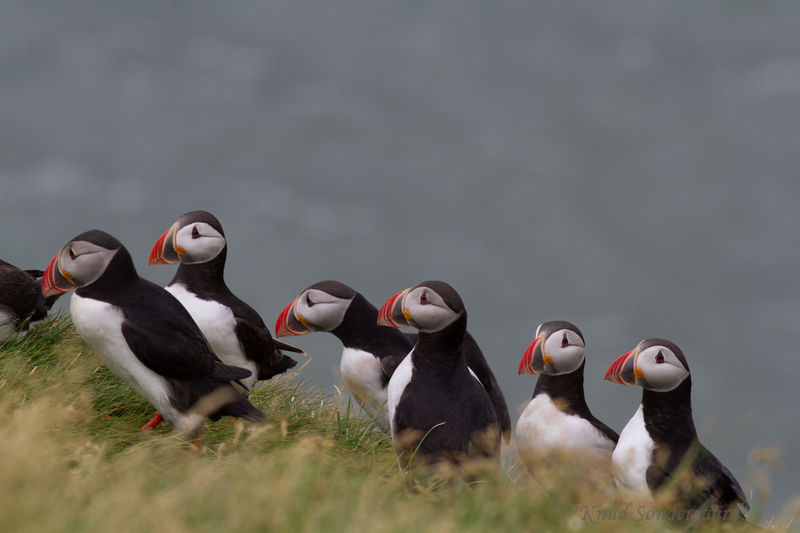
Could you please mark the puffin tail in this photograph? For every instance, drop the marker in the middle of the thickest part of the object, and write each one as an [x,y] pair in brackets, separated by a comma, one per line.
[280,367]
[280,345]
[246,410]
[225,372]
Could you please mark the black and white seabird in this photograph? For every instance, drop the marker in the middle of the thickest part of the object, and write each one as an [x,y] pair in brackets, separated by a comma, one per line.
[438,409]
[144,335]
[21,300]
[661,435]
[557,420]
[371,352]
[235,330]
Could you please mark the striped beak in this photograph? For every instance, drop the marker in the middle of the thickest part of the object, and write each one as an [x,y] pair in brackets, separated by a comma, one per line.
[164,252]
[623,370]
[533,360]
[392,313]
[289,324]
[54,281]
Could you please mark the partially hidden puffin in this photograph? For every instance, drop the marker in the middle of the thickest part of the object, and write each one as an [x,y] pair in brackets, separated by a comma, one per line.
[661,439]
[438,408]
[557,425]
[235,330]
[144,335]
[21,300]
[371,352]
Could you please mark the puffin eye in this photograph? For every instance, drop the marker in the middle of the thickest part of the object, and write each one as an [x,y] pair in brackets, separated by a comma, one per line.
[564,341]
[195,233]
[71,254]
[423,299]
[660,357]
[308,301]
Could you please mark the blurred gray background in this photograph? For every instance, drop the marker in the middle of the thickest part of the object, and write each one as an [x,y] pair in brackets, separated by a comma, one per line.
[629,166]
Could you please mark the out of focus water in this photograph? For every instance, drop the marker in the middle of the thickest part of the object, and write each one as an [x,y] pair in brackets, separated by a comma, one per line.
[630,167]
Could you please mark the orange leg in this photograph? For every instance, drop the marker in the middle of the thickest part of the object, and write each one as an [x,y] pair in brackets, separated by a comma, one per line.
[153,422]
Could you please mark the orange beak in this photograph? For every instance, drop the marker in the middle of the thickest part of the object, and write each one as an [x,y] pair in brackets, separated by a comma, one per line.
[623,371]
[54,281]
[532,361]
[164,252]
[391,313]
[289,324]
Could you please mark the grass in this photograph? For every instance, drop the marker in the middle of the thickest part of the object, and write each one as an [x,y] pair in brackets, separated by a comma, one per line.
[74,460]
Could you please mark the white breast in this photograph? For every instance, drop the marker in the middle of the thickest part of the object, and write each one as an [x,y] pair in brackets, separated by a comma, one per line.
[363,376]
[218,324]
[397,384]
[544,429]
[632,457]
[100,325]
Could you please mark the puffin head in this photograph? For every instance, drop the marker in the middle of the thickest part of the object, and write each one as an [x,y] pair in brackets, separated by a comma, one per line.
[81,262]
[320,307]
[655,364]
[196,237]
[430,306]
[557,349]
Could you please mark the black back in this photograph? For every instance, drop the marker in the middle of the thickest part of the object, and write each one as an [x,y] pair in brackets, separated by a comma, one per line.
[477,362]
[669,422]
[442,391]
[207,281]
[21,295]
[566,391]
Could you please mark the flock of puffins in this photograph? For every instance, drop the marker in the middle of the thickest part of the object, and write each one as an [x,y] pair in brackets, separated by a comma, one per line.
[194,350]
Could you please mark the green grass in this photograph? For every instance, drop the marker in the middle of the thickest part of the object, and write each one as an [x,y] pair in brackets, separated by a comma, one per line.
[73,459]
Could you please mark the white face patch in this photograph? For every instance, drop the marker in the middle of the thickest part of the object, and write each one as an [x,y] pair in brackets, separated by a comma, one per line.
[662,369]
[427,310]
[320,310]
[566,349]
[199,242]
[83,262]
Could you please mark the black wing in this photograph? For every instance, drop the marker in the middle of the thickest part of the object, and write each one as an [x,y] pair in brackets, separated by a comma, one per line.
[477,362]
[707,483]
[722,488]
[162,334]
[258,346]
[389,364]
[22,294]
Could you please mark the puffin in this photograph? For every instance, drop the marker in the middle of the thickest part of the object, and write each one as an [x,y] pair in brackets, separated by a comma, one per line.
[659,444]
[557,420]
[21,300]
[235,330]
[145,336]
[438,409]
[371,353]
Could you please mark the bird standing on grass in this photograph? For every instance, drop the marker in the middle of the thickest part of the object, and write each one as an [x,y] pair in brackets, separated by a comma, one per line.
[144,335]
[235,330]
[438,409]
[661,438]
[557,421]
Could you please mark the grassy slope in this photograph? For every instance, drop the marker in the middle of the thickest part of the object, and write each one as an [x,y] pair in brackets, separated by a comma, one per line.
[73,459]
